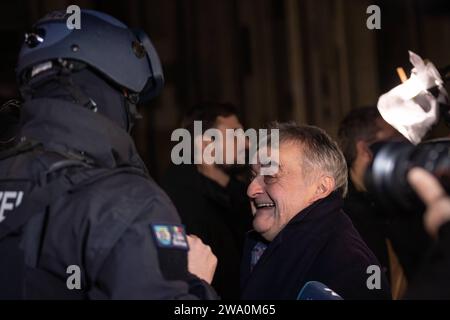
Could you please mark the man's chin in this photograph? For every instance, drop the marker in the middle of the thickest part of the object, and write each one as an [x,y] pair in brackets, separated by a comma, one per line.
[263,221]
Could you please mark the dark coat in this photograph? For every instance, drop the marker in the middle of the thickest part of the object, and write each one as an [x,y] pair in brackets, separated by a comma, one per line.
[432,280]
[376,223]
[318,244]
[219,216]
[368,220]
[107,228]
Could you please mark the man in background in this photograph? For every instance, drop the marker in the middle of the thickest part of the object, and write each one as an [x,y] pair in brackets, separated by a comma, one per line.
[357,131]
[399,241]
[211,198]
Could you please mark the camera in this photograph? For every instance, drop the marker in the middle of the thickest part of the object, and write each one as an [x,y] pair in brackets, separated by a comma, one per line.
[386,178]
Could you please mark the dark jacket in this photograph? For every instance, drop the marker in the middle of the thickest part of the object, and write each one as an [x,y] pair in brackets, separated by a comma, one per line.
[108,227]
[369,221]
[409,240]
[432,280]
[318,244]
[377,222]
[219,216]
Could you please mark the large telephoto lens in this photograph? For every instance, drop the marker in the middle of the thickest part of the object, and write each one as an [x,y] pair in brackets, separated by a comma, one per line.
[386,176]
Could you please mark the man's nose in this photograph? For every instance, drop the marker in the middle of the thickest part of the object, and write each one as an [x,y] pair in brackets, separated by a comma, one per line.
[255,187]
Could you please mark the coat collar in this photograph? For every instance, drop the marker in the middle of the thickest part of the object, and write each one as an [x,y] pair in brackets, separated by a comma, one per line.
[317,213]
[318,210]
[313,223]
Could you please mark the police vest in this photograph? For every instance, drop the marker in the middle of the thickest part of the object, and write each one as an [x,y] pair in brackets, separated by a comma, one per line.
[23,204]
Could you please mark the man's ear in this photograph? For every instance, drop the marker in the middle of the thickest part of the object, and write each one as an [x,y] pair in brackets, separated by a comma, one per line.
[363,150]
[325,186]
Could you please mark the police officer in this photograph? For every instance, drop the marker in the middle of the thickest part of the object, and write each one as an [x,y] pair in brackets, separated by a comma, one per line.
[79,216]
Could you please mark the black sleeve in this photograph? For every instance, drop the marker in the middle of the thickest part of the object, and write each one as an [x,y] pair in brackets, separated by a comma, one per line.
[410,241]
[444,240]
[137,268]
[433,279]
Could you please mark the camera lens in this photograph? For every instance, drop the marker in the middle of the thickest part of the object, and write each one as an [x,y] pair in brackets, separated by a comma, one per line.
[386,176]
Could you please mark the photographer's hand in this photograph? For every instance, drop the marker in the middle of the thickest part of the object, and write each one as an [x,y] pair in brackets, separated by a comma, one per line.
[435,198]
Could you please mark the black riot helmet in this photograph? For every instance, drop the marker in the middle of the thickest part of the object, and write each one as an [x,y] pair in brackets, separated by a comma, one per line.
[123,57]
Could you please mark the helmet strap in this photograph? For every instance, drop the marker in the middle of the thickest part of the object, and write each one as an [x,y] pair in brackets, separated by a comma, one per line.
[60,71]
[131,99]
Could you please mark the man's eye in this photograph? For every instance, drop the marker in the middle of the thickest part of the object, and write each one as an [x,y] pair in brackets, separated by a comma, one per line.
[269,179]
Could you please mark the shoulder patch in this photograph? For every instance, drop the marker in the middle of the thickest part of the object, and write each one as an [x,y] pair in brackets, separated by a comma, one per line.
[170,236]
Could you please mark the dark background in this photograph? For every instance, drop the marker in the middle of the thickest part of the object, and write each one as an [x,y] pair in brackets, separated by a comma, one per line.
[310,61]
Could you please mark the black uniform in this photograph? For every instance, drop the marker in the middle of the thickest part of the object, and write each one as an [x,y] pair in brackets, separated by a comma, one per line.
[318,244]
[219,216]
[120,229]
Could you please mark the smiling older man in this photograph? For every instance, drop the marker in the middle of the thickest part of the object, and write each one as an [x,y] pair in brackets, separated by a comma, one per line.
[300,232]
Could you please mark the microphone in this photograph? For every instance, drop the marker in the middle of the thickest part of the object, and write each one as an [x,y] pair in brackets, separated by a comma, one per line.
[314,290]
